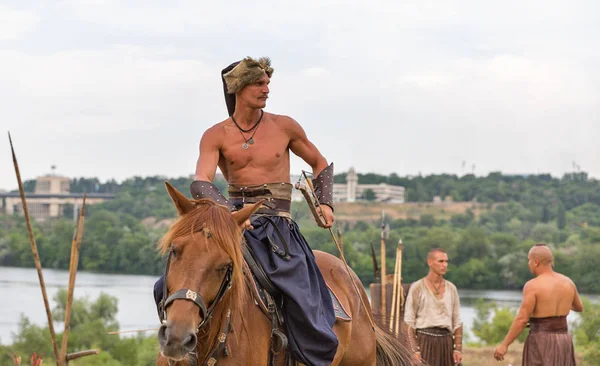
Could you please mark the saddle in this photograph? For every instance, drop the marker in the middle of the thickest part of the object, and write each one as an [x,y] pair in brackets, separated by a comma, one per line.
[269,299]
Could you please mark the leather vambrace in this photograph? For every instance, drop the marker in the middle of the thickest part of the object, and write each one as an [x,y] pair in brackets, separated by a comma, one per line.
[458,337]
[413,343]
[323,184]
[203,189]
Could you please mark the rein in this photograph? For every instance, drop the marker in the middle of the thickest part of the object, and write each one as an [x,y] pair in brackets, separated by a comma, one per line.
[205,312]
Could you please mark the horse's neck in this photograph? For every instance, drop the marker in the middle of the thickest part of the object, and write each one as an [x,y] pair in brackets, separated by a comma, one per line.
[249,334]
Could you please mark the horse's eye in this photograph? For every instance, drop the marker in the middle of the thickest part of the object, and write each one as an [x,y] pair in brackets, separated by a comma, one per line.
[225,267]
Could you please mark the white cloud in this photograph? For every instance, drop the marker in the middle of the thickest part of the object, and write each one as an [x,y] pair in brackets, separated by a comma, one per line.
[99,92]
[15,23]
[385,86]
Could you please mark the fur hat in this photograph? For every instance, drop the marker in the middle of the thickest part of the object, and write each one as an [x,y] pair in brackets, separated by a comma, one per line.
[247,72]
[242,73]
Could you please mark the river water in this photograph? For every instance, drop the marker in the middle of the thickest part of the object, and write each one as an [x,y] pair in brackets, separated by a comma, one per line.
[20,293]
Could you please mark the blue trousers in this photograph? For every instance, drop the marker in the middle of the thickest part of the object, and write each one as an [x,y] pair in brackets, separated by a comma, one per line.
[307,306]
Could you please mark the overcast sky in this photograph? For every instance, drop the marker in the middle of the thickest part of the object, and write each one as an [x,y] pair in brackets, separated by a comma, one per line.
[115,89]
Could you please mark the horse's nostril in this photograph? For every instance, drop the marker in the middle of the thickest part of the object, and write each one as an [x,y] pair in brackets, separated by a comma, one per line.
[189,343]
[162,333]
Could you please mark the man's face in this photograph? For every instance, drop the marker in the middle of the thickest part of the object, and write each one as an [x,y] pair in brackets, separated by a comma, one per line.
[438,263]
[257,93]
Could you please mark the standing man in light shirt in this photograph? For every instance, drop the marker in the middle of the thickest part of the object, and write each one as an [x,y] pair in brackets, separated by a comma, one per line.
[432,315]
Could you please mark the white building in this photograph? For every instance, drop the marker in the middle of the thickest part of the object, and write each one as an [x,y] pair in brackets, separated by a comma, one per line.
[352,190]
[50,198]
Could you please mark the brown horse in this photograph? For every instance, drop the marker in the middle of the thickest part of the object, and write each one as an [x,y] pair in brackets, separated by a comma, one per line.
[206,267]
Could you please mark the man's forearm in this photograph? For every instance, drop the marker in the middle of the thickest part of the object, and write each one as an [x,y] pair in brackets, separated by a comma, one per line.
[458,338]
[319,165]
[516,328]
[412,339]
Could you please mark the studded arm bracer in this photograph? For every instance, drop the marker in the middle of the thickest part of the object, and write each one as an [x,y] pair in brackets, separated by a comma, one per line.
[203,189]
[323,184]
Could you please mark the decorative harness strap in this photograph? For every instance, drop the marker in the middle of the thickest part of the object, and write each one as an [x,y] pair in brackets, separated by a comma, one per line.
[205,312]
[279,341]
[221,347]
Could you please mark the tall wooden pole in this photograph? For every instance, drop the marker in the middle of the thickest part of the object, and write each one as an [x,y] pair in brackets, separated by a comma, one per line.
[36,256]
[75,247]
[323,219]
[394,296]
[400,302]
[385,229]
[340,238]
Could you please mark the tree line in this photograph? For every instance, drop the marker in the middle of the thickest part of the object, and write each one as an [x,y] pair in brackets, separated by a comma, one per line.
[487,250]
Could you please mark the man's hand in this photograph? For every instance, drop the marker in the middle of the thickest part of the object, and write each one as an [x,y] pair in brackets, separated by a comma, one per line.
[500,352]
[417,356]
[325,212]
[457,357]
[248,225]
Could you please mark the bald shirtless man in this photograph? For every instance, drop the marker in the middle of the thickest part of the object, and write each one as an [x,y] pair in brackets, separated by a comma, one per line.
[252,149]
[547,300]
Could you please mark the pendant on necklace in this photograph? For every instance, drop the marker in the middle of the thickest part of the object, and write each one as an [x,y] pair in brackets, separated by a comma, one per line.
[245,146]
[251,141]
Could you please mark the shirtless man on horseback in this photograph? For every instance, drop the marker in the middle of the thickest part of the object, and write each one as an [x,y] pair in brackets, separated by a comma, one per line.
[252,149]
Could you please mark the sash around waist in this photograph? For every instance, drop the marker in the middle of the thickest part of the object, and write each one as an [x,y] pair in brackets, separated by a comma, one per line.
[277,196]
[281,190]
[434,332]
[551,324]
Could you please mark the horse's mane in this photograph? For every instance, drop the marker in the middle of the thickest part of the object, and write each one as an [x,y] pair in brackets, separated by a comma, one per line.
[225,235]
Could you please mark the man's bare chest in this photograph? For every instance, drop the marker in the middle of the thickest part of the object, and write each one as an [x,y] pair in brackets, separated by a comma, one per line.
[258,148]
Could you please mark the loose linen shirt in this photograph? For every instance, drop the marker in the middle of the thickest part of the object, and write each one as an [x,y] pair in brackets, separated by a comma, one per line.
[424,310]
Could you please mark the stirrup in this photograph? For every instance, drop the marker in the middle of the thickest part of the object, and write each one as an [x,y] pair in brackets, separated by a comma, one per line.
[279,341]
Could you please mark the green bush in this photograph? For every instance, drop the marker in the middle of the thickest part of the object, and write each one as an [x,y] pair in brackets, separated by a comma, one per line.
[587,332]
[90,324]
[492,323]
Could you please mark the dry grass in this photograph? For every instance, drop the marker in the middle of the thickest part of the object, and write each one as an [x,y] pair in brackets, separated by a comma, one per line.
[372,211]
[484,356]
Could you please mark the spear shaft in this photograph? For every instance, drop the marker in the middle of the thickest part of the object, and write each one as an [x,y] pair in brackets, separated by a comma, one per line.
[36,256]
[312,191]
[75,250]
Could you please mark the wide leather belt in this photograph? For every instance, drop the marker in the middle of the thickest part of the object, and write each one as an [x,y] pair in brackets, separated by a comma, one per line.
[434,332]
[277,197]
[553,324]
[281,190]
[272,206]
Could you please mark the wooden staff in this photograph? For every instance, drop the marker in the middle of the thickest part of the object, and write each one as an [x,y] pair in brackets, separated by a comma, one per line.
[36,256]
[375,266]
[400,303]
[75,246]
[340,238]
[394,295]
[322,219]
[76,355]
[384,233]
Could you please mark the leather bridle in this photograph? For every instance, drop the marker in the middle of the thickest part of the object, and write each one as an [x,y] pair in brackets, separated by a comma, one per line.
[193,296]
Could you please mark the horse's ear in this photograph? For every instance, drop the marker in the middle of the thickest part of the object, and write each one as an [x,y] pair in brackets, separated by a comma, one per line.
[244,214]
[181,202]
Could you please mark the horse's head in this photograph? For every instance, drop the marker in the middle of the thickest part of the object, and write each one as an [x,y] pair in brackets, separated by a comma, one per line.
[203,275]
